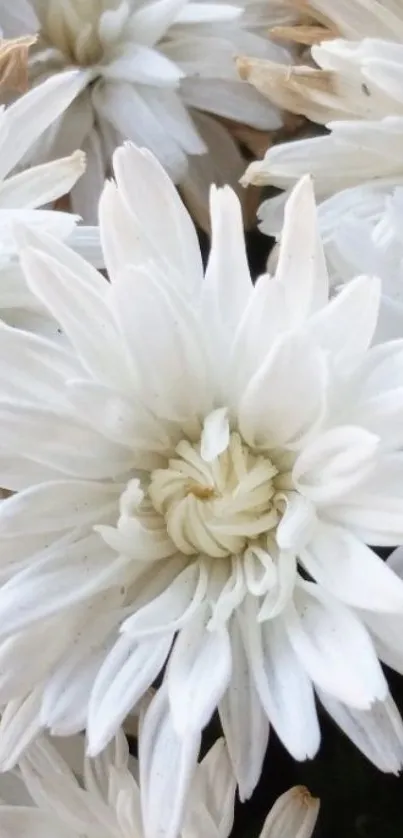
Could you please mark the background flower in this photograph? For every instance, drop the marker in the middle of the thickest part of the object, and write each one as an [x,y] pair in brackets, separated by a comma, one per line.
[353,87]
[155,73]
[22,194]
[45,797]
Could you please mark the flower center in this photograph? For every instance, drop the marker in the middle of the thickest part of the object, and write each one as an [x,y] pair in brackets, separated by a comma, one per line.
[216,507]
[81,29]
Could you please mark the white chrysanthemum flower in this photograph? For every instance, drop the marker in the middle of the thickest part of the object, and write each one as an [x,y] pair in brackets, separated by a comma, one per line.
[154,72]
[21,195]
[198,472]
[355,90]
[44,797]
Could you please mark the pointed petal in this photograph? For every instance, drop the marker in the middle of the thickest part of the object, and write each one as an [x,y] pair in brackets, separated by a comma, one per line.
[123,679]
[19,727]
[335,326]
[243,719]
[167,764]
[227,285]
[377,732]
[271,412]
[193,697]
[301,263]
[278,677]
[351,571]
[334,647]
[38,108]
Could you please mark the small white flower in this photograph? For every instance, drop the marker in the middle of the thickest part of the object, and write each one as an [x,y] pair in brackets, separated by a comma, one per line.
[44,797]
[198,472]
[22,194]
[154,72]
[355,89]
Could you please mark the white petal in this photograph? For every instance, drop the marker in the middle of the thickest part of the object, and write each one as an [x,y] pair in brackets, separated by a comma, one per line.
[58,581]
[279,677]
[301,263]
[81,310]
[351,571]
[142,65]
[374,511]
[149,194]
[126,107]
[176,604]
[167,369]
[335,326]
[297,523]
[19,726]
[377,732]
[38,108]
[272,413]
[32,367]
[57,506]
[263,320]
[212,793]
[294,814]
[243,719]
[215,435]
[152,20]
[42,184]
[334,648]
[20,668]
[167,764]
[227,285]
[84,196]
[334,463]
[127,673]
[68,688]
[193,697]
[78,264]
[62,444]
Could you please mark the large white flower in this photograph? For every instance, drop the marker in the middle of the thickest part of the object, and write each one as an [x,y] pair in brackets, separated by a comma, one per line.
[45,798]
[21,124]
[198,471]
[154,72]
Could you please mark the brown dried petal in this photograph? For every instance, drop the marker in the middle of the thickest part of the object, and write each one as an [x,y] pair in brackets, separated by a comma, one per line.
[299,90]
[14,63]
